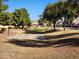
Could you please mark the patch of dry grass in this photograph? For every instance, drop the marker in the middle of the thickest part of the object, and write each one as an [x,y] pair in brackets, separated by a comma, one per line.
[11,51]
[74,32]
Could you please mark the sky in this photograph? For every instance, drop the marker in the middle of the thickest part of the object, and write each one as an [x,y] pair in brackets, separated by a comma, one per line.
[34,7]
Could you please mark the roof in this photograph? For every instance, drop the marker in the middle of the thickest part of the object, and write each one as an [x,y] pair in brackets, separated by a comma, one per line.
[35,22]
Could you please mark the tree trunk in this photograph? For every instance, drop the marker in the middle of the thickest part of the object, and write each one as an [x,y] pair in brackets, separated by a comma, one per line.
[22,26]
[54,26]
[64,26]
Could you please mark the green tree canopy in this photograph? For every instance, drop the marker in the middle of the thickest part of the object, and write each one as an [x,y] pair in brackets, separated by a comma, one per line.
[21,17]
[3,6]
[51,13]
[69,9]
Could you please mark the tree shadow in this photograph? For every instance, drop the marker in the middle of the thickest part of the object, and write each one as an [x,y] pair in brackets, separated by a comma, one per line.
[40,32]
[50,31]
[56,36]
[72,42]
[29,43]
[33,32]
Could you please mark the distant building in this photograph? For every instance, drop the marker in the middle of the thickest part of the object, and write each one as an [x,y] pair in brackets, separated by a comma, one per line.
[76,21]
[35,23]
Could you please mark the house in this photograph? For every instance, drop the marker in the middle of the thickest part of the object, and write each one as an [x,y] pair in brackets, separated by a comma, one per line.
[35,24]
[76,21]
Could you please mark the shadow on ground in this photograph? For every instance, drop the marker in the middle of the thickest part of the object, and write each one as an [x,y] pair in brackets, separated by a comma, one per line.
[40,32]
[73,42]
[56,36]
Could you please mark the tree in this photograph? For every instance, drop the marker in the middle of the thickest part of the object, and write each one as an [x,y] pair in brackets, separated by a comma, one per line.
[66,9]
[4,18]
[72,10]
[51,13]
[21,17]
[3,15]
[72,7]
[42,21]
[62,7]
[3,6]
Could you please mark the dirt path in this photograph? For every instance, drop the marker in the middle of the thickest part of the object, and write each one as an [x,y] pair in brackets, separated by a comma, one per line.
[26,36]
[21,35]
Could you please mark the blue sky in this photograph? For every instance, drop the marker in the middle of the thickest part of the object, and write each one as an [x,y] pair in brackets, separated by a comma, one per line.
[34,7]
